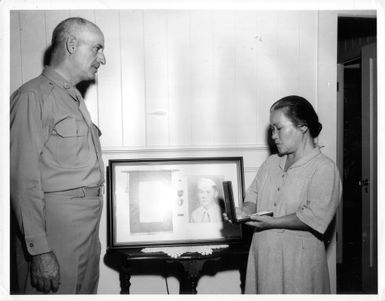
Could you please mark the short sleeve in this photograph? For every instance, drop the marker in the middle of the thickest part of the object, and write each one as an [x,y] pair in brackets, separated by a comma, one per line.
[323,197]
[252,190]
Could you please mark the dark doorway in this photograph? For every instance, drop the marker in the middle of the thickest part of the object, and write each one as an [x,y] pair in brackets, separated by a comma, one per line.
[353,34]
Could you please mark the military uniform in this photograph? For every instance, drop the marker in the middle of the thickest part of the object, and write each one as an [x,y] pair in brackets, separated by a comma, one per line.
[57,175]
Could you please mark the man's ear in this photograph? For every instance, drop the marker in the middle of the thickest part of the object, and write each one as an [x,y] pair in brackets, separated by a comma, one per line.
[71,44]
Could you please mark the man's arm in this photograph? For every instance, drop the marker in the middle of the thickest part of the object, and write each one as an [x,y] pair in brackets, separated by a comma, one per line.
[27,197]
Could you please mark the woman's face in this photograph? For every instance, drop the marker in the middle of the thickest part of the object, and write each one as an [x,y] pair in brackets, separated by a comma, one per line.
[287,137]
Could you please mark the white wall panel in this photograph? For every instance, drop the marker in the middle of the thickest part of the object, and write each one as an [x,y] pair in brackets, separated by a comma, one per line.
[52,19]
[267,69]
[245,96]
[133,79]
[179,78]
[109,93]
[288,45]
[224,78]
[202,78]
[16,77]
[156,78]
[33,43]
[86,14]
[308,43]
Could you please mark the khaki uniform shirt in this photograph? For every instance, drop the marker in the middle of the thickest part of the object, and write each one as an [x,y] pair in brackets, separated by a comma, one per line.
[54,147]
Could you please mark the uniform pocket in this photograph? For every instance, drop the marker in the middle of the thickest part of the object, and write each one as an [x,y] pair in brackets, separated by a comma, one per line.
[72,143]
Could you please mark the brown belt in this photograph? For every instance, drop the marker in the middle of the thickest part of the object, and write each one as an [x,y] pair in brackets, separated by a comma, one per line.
[81,191]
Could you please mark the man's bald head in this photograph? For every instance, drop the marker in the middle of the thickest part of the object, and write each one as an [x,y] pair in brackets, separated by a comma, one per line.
[68,27]
[77,49]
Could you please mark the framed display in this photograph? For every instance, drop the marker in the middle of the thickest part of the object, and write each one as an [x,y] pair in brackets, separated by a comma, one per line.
[171,201]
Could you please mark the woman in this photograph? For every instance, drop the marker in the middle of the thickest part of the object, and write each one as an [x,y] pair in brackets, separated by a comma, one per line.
[302,187]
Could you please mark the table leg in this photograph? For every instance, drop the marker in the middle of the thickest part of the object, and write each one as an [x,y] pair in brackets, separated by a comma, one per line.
[124,277]
[192,269]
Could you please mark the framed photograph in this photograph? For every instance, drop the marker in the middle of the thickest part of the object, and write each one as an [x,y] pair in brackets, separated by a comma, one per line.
[171,201]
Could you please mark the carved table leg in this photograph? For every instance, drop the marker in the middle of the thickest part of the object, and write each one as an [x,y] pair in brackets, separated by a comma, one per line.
[124,277]
[192,269]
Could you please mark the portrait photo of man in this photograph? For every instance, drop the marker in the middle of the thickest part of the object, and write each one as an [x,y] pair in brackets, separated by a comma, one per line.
[208,210]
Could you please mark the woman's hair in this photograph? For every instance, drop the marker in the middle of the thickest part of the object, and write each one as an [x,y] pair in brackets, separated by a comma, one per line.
[300,112]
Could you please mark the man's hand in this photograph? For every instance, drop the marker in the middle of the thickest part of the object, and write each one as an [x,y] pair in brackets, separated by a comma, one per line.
[45,272]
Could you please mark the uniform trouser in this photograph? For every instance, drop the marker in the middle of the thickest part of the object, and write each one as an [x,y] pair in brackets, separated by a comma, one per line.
[72,226]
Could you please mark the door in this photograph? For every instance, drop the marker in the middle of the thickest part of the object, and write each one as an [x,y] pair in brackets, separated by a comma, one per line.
[369,168]
[340,158]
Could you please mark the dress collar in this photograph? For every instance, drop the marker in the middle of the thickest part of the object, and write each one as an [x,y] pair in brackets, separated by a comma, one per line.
[306,158]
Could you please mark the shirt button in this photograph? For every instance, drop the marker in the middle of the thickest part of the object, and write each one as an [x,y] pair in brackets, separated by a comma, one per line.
[31,245]
[275,204]
[283,175]
[278,189]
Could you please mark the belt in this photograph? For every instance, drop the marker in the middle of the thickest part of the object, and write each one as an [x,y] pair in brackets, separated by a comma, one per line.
[81,191]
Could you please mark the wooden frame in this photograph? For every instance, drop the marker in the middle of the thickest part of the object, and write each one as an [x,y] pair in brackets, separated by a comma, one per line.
[154,202]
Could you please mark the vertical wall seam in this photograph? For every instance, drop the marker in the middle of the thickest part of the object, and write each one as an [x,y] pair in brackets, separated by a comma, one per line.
[256,76]
[299,21]
[144,81]
[20,47]
[235,139]
[190,81]
[168,80]
[213,74]
[318,62]
[121,79]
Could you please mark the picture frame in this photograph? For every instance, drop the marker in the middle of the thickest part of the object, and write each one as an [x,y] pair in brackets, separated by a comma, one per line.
[177,201]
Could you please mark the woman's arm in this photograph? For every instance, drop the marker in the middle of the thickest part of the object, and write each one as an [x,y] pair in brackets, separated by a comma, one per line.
[290,221]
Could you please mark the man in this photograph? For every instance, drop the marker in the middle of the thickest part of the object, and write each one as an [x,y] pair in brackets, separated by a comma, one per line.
[56,168]
[209,210]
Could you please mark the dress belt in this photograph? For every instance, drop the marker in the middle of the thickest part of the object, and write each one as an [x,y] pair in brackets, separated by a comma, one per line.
[81,191]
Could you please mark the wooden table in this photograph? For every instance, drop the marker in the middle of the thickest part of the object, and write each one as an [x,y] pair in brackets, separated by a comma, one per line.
[187,268]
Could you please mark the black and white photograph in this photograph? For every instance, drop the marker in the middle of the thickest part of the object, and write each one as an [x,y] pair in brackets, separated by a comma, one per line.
[206,199]
[122,122]
[145,206]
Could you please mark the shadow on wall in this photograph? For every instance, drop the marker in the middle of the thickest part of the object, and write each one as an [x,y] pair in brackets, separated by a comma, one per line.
[269,141]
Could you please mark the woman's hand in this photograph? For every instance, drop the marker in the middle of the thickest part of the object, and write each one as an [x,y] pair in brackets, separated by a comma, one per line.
[238,211]
[261,222]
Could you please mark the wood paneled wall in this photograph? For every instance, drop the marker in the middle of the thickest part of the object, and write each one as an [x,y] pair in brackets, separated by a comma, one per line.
[183,78]
[193,82]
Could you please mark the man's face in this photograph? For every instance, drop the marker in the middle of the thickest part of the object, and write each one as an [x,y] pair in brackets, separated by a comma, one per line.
[89,54]
[206,193]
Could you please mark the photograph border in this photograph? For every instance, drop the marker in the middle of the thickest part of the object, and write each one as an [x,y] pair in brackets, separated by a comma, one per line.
[156,162]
